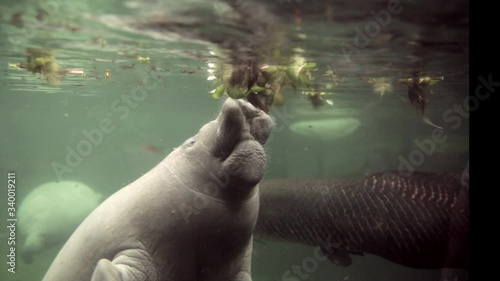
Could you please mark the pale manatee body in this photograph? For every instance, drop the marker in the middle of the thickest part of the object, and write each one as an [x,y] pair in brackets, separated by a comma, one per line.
[51,212]
[189,218]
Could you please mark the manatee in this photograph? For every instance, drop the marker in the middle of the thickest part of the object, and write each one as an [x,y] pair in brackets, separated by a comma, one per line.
[43,225]
[189,218]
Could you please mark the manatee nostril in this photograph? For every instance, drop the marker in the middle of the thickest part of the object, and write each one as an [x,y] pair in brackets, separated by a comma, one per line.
[249,111]
[261,128]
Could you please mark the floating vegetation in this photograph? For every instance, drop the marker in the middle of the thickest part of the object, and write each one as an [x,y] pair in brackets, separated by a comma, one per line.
[335,78]
[418,89]
[142,59]
[43,62]
[317,99]
[381,86]
[262,85]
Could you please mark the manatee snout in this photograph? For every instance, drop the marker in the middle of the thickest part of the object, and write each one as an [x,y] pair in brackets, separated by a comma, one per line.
[230,147]
[240,120]
[243,129]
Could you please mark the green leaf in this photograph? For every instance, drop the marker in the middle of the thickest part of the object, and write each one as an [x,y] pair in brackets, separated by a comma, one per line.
[434,80]
[304,81]
[219,91]
[257,88]
[310,65]
[236,92]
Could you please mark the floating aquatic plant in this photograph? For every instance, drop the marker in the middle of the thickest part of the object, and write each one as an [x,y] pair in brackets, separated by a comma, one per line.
[418,90]
[43,62]
[142,59]
[380,85]
[335,78]
[317,99]
[262,85]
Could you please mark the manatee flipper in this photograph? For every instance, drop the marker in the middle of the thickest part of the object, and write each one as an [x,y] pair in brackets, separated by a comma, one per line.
[106,270]
[129,265]
[244,274]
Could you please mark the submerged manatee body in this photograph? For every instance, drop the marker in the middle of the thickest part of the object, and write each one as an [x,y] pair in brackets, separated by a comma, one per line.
[189,218]
[51,212]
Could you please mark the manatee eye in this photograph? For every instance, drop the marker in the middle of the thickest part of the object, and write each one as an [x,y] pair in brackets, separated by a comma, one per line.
[190,142]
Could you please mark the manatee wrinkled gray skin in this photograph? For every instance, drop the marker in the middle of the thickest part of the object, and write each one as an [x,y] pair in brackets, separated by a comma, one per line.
[189,218]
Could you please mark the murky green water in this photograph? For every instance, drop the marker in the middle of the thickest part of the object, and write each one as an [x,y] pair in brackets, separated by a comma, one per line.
[151,88]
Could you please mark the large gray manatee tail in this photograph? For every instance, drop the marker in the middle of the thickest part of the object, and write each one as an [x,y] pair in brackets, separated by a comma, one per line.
[420,220]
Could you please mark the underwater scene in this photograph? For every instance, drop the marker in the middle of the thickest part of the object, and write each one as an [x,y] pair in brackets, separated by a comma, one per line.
[280,140]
